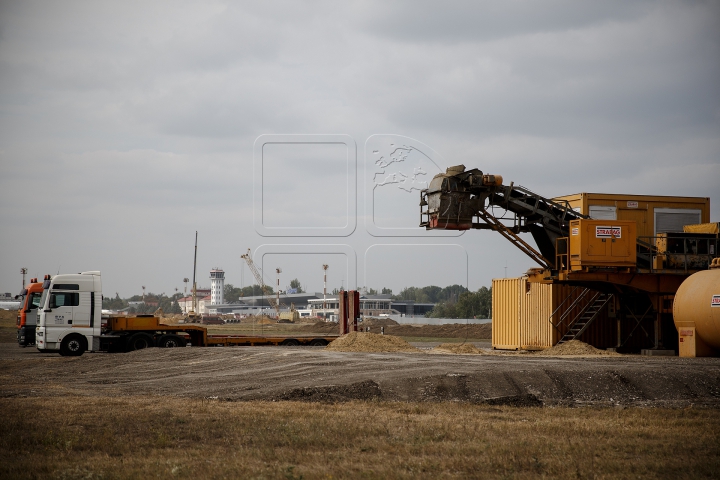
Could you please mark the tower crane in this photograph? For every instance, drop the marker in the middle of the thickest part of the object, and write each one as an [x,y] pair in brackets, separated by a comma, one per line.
[258,278]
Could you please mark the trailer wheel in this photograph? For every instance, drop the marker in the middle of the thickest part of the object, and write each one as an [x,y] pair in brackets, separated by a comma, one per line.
[73,346]
[139,341]
[290,342]
[170,341]
[318,342]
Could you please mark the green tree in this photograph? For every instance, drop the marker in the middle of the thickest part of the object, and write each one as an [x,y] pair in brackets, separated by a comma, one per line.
[295,283]
[251,291]
[386,291]
[232,294]
[433,293]
[372,291]
[116,303]
[413,294]
[468,305]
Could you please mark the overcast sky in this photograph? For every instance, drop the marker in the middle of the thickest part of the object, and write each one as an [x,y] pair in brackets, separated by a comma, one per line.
[127,126]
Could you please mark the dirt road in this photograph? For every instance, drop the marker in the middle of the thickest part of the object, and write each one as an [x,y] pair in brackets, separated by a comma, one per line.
[312,373]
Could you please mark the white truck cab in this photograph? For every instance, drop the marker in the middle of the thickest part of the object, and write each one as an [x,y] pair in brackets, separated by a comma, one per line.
[70,314]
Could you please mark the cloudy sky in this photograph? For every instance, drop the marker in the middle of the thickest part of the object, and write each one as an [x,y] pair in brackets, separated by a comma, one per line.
[127,126]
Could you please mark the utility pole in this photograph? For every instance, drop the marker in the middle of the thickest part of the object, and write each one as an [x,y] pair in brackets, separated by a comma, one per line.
[325,267]
[277,293]
[24,272]
[143,287]
[194,292]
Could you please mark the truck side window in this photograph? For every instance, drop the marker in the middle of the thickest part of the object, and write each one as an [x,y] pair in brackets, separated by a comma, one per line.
[64,299]
[34,301]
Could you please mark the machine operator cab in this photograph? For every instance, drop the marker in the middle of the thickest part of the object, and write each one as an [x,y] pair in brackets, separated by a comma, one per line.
[69,314]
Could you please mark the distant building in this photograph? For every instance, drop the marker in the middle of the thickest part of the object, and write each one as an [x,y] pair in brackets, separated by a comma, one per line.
[186,304]
[217,287]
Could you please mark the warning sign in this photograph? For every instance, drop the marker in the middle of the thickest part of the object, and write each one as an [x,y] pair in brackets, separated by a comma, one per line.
[632,204]
[575,231]
[715,302]
[607,232]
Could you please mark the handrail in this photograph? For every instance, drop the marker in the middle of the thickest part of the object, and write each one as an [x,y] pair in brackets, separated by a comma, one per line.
[561,304]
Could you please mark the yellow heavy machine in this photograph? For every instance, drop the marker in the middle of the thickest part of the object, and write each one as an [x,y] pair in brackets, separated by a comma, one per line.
[617,259]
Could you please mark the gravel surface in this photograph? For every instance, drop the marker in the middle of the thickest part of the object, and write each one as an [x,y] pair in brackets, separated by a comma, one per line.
[313,373]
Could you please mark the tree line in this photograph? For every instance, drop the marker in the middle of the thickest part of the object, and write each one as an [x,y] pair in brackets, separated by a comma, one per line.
[152,302]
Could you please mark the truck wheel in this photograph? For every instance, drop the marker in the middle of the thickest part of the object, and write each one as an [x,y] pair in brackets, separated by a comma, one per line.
[318,342]
[171,341]
[290,342]
[139,341]
[73,346]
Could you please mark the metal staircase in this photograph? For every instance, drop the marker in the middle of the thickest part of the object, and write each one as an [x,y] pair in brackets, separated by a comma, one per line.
[586,316]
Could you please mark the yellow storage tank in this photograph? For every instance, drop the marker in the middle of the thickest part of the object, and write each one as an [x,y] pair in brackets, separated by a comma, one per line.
[602,243]
[696,312]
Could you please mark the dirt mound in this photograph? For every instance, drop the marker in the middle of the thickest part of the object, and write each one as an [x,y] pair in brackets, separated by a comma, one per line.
[458,348]
[370,342]
[320,327]
[378,322]
[366,390]
[574,347]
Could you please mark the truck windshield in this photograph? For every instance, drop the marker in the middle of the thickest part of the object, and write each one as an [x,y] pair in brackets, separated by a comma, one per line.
[43,298]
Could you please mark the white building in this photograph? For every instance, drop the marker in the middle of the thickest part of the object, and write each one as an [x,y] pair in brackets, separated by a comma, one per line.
[217,287]
[370,307]
[186,305]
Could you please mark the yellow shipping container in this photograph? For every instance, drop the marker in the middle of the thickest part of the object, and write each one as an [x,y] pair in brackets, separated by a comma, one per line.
[522,310]
[653,213]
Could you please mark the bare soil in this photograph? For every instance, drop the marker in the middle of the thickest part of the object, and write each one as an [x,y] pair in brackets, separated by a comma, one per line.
[266,373]
[455,330]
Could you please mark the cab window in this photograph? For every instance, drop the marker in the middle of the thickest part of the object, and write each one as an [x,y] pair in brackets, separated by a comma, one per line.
[34,300]
[64,299]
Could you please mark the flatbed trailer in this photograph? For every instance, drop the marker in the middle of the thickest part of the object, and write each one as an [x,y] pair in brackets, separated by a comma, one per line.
[143,331]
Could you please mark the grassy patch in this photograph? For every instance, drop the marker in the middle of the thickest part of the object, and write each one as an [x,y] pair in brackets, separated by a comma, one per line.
[93,437]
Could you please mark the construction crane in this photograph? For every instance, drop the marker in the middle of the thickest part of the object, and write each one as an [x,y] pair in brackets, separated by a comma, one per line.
[274,303]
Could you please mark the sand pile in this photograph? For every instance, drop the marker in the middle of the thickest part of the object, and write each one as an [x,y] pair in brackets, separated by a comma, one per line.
[574,347]
[458,348]
[370,342]
[378,322]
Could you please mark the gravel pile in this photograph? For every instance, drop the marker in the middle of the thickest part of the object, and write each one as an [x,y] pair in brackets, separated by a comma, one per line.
[574,347]
[370,342]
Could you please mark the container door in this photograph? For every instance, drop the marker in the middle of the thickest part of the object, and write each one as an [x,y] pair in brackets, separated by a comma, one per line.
[596,246]
[641,221]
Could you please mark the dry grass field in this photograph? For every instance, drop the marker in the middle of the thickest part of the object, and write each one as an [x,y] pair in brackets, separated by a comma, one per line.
[165,437]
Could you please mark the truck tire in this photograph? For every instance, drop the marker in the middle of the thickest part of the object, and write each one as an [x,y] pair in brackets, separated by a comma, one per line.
[290,342]
[73,346]
[139,341]
[171,341]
